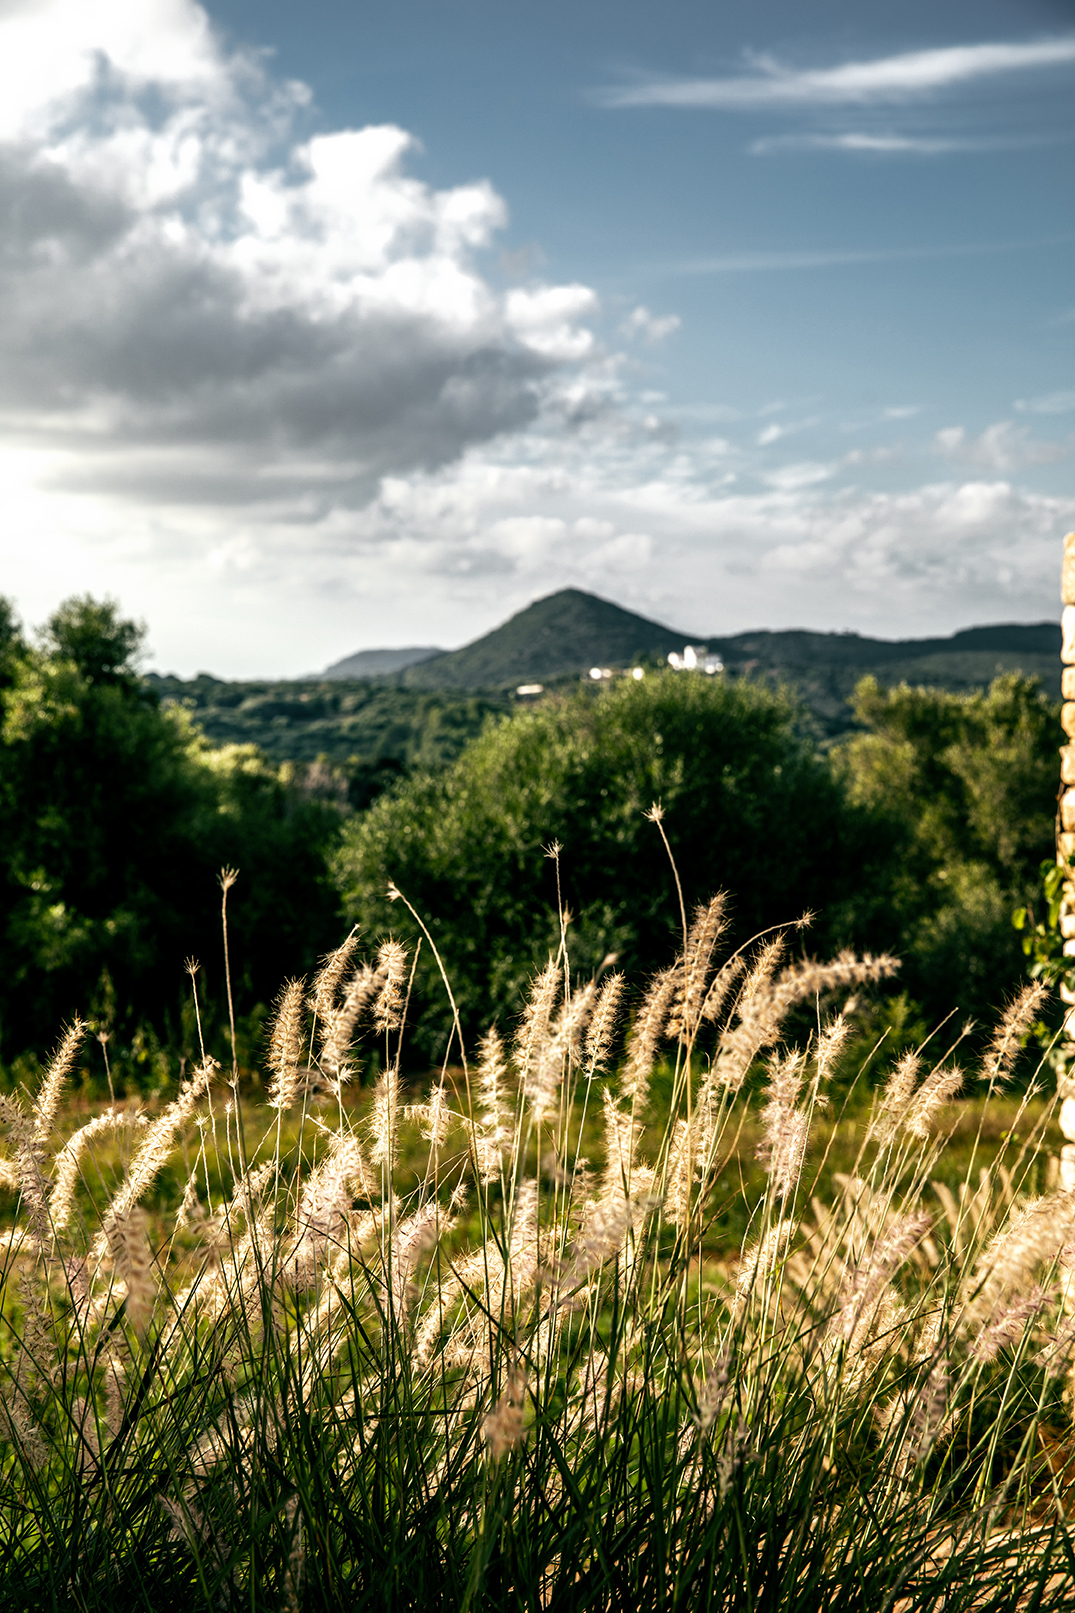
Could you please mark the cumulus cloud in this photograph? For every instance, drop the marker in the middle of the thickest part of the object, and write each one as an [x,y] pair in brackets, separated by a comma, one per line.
[209,307]
[256,381]
[904,77]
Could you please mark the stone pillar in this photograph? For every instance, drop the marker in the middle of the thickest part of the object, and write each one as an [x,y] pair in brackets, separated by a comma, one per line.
[1065,848]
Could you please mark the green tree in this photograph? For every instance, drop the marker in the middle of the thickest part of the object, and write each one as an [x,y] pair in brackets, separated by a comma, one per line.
[114,819]
[965,786]
[750,807]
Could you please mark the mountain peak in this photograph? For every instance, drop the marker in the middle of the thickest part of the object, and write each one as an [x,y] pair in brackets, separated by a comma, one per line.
[563,633]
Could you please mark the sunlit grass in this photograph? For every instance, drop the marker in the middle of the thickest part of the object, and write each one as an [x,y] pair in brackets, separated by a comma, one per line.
[659,1314]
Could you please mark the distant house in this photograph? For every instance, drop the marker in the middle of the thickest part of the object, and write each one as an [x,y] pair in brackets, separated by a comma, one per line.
[695,658]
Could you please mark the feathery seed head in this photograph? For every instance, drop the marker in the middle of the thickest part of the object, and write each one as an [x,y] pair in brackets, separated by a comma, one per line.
[503,1427]
[383,1125]
[392,967]
[645,1035]
[327,980]
[603,1022]
[533,1033]
[705,931]
[759,1262]
[1008,1037]
[1009,1321]
[712,1393]
[338,1022]
[940,1087]
[48,1098]
[285,1045]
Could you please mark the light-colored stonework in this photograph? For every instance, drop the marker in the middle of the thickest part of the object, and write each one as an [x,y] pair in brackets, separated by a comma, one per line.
[1065,847]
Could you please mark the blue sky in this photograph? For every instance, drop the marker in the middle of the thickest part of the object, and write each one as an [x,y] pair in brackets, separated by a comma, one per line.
[339,326]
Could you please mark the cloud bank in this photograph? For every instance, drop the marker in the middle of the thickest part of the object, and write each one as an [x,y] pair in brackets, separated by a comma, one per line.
[198,299]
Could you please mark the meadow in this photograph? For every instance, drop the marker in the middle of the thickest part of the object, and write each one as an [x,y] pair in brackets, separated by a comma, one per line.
[634,1303]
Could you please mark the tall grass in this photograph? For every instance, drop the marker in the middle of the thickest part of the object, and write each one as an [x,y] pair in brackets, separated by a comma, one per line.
[512,1379]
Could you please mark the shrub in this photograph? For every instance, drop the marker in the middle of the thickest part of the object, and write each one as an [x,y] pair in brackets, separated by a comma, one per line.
[751,807]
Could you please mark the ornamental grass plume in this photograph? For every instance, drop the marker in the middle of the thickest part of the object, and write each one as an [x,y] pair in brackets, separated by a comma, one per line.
[603,1023]
[500,1345]
[285,1045]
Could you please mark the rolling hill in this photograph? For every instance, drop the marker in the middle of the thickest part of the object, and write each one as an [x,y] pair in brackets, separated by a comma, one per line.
[378,716]
[562,635]
[565,634]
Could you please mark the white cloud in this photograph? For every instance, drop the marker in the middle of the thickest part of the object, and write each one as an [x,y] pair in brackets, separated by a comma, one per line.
[806,473]
[904,77]
[776,430]
[196,305]
[1001,447]
[640,323]
[1048,403]
[885,145]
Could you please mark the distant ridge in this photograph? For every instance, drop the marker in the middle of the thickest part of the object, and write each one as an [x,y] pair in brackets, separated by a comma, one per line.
[565,633]
[375,663]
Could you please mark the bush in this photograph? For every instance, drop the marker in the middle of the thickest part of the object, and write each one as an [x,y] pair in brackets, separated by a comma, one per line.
[965,788]
[750,806]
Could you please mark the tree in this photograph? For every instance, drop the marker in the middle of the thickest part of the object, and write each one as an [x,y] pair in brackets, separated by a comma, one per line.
[92,636]
[750,804]
[965,786]
[115,817]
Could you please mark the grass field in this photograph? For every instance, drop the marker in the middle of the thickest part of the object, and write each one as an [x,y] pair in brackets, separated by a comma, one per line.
[620,1312]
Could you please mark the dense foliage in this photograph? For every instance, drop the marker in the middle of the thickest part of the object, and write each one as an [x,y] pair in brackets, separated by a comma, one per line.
[751,807]
[362,725]
[964,786]
[115,817]
[920,836]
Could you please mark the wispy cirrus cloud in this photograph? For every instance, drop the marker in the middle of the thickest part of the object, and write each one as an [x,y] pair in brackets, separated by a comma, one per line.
[886,79]
[791,258]
[1001,447]
[1048,403]
[892,145]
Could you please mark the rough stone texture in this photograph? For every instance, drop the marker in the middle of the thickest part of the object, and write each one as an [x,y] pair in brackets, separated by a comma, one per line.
[1067,1168]
[1067,628]
[1067,1118]
[1067,764]
[1067,810]
[1067,571]
[1067,718]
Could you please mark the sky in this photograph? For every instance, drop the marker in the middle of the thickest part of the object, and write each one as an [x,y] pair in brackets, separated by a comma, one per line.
[342,326]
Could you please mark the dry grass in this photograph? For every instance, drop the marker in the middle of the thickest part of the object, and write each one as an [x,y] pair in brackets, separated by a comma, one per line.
[592,1321]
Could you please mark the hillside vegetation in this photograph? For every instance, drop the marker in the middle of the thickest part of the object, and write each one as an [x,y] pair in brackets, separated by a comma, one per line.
[423,714]
[918,835]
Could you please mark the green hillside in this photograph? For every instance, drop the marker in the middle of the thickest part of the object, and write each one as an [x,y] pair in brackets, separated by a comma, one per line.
[371,728]
[560,636]
[423,714]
